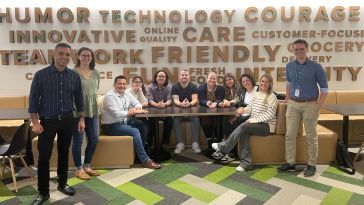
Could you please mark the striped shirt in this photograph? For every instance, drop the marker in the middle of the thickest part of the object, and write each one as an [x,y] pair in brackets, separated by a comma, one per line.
[261,111]
[53,92]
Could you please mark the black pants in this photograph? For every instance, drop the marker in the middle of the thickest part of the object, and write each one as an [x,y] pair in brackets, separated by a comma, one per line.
[167,128]
[63,129]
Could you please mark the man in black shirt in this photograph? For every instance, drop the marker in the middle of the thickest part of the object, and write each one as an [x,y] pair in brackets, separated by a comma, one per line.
[184,95]
[53,92]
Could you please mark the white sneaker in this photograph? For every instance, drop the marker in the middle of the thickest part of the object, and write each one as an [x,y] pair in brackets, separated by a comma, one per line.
[196,147]
[215,147]
[179,148]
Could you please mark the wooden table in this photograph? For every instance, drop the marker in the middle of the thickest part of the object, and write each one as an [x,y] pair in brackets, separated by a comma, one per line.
[174,111]
[345,110]
[20,114]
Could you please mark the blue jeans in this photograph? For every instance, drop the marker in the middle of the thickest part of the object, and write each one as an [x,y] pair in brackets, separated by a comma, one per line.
[120,129]
[92,135]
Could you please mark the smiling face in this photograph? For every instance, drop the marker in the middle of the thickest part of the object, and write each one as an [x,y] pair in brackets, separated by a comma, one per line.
[247,83]
[264,84]
[211,79]
[137,84]
[184,76]
[62,57]
[229,82]
[300,51]
[120,86]
[161,78]
[85,58]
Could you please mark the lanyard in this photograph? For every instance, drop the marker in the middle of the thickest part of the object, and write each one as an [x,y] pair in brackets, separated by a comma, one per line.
[299,70]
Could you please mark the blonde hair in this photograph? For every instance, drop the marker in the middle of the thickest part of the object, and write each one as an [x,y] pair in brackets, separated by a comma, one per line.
[270,88]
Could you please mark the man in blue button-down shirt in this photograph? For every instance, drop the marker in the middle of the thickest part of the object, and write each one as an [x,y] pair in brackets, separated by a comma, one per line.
[304,101]
[53,92]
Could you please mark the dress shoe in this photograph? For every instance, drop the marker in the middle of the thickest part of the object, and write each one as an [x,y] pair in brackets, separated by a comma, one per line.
[66,189]
[91,172]
[82,175]
[151,164]
[40,199]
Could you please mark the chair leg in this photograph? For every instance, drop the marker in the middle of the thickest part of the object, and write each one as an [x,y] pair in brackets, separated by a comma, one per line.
[13,173]
[357,154]
[3,167]
[27,168]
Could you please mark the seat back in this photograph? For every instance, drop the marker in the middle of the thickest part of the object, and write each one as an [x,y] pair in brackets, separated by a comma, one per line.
[19,139]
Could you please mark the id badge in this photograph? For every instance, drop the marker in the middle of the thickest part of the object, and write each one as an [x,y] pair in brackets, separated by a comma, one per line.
[297,93]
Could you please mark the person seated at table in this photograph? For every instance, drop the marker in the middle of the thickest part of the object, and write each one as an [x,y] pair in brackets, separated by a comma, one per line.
[211,95]
[230,100]
[138,90]
[244,94]
[116,118]
[159,96]
[262,122]
[184,95]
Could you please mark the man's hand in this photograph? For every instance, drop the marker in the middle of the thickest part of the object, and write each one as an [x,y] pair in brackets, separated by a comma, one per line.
[81,125]
[37,128]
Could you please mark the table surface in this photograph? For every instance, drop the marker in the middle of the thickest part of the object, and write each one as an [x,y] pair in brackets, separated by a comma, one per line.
[174,111]
[345,109]
[14,114]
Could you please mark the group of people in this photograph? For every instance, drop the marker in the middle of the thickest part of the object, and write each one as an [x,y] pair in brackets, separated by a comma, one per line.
[63,101]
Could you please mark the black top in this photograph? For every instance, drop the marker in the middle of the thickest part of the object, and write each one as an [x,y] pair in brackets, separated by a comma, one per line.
[184,93]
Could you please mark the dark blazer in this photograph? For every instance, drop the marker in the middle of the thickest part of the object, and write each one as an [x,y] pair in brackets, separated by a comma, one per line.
[202,94]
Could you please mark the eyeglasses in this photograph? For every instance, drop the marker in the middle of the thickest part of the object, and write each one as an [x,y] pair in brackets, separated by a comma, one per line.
[299,49]
[161,76]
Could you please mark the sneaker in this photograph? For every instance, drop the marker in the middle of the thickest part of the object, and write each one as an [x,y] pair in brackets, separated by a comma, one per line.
[310,171]
[215,146]
[286,167]
[217,155]
[227,158]
[243,167]
[196,147]
[180,146]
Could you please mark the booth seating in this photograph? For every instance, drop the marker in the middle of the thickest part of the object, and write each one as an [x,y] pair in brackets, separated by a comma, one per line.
[271,149]
[334,121]
[111,152]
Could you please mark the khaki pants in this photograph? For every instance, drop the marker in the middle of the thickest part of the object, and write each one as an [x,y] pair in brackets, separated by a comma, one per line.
[308,112]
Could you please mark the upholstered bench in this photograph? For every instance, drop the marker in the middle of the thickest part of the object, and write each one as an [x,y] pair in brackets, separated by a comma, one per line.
[111,152]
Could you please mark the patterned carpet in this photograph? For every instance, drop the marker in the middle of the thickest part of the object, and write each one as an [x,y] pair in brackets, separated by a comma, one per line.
[193,179]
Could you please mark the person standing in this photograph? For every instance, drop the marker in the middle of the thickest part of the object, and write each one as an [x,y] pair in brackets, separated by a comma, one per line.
[90,81]
[116,118]
[53,92]
[304,101]
[184,95]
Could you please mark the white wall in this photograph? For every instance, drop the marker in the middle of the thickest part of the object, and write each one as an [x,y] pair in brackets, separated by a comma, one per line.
[13,77]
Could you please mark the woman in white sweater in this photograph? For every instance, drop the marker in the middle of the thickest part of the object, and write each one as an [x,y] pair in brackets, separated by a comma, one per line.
[262,122]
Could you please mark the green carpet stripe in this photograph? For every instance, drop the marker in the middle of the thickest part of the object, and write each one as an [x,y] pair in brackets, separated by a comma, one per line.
[247,190]
[334,170]
[343,178]
[356,199]
[337,197]
[171,173]
[220,174]
[192,191]
[5,193]
[264,175]
[27,194]
[140,193]
[74,181]
[304,182]
[107,191]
